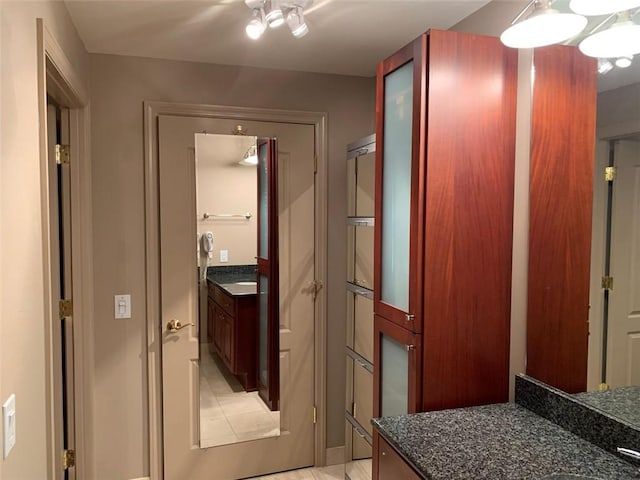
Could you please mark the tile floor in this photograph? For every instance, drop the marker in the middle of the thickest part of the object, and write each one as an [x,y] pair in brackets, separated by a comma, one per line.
[228,414]
[334,472]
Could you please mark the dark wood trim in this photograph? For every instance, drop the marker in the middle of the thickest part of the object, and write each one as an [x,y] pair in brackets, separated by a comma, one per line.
[381,327]
[561,196]
[268,267]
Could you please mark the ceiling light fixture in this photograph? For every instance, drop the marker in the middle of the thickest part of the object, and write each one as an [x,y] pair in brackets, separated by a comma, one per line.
[250,157]
[273,13]
[622,39]
[542,26]
[604,66]
[295,19]
[601,7]
[624,62]
[256,26]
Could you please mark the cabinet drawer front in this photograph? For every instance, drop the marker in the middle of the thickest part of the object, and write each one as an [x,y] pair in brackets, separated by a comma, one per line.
[391,466]
[224,300]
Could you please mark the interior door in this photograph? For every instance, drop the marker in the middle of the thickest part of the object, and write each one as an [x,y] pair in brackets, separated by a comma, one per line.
[294,448]
[268,303]
[62,284]
[624,321]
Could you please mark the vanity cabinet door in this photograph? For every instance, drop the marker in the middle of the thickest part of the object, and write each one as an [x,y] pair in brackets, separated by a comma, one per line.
[388,464]
[399,188]
[397,370]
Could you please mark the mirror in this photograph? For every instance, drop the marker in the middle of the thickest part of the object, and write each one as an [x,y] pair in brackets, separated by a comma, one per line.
[233,407]
[614,317]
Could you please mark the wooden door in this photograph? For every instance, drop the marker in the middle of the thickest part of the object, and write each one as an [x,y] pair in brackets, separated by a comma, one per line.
[623,365]
[294,448]
[268,305]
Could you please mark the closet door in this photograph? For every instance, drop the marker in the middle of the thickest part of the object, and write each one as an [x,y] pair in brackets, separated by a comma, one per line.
[399,187]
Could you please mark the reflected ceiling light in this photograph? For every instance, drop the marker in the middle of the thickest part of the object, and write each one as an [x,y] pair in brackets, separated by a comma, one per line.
[250,157]
[622,39]
[543,26]
[295,19]
[624,62]
[604,66]
[602,7]
[256,26]
[273,13]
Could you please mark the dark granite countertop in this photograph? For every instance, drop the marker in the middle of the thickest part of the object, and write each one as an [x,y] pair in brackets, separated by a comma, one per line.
[497,442]
[234,279]
[623,403]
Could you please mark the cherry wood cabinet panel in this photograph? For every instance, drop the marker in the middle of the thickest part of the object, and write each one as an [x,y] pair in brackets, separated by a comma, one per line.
[469,220]
[388,464]
[561,195]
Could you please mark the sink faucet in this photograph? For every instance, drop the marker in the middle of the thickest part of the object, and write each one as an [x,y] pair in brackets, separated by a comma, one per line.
[629,453]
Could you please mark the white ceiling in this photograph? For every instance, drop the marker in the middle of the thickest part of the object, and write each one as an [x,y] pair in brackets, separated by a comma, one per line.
[346,37]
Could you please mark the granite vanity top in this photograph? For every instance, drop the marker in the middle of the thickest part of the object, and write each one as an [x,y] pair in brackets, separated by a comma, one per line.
[622,402]
[235,279]
[502,441]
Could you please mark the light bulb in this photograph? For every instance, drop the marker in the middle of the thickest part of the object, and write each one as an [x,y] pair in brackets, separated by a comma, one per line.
[256,27]
[545,26]
[624,62]
[604,66]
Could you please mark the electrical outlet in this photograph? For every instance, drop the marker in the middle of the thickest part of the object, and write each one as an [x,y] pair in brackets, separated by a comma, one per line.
[9,424]
[224,256]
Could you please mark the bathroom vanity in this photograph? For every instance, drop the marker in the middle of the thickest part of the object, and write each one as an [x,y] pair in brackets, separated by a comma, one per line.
[538,437]
[232,323]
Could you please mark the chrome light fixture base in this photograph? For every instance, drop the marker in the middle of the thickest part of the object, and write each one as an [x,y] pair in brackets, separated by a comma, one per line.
[274,13]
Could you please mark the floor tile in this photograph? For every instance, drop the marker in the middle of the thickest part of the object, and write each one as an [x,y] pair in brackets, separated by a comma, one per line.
[216,431]
[249,426]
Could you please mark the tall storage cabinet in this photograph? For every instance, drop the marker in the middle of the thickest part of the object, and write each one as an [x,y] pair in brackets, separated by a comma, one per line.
[359,349]
[445,149]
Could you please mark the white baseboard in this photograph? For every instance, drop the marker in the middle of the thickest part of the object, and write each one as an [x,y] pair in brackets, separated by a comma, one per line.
[335,455]
[142,478]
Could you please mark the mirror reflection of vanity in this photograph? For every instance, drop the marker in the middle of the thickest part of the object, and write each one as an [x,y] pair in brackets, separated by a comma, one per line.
[598,358]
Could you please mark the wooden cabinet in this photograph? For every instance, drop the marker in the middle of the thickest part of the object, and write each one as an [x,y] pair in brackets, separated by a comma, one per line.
[388,464]
[446,106]
[233,324]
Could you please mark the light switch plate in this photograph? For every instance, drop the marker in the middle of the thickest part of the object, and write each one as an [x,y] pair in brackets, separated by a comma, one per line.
[9,424]
[224,256]
[122,306]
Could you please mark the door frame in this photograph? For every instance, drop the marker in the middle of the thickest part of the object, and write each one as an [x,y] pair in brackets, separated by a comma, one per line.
[57,76]
[152,110]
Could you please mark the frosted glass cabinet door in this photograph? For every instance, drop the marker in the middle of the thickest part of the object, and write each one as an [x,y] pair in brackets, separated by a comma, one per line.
[397,369]
[396,187]
[351,186]
[364,257]
[365,186]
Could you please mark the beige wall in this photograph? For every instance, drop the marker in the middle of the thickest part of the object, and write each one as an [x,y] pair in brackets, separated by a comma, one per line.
[118,87]
[22,342]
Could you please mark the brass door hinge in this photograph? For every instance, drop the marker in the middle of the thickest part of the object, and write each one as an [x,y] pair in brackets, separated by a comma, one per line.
[68,459]
[62,154]
[65,308]
[603,387]
[607,282]
[354,410]
[315,414]
[610,173]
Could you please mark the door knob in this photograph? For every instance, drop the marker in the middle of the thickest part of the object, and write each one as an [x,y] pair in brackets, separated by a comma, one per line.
[175,325]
